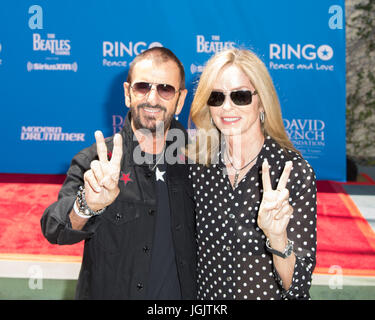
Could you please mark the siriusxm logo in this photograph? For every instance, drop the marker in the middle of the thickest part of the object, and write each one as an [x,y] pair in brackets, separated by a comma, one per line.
[213,46]
[37,66]
[196,68]
[307,51]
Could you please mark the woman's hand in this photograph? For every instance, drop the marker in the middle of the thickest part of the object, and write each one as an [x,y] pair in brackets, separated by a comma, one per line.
[275,210]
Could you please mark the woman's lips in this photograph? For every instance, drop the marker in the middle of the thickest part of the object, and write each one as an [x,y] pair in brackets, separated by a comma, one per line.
[230,120]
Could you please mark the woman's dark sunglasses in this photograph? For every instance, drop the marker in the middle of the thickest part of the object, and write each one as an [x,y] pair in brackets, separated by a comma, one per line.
[165,91]
[239,98]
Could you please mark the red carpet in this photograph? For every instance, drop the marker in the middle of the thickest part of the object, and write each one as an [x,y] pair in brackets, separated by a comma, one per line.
[22,202]
[345,238]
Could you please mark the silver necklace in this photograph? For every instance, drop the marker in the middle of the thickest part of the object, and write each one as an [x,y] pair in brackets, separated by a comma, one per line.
[162,155]
[237,173]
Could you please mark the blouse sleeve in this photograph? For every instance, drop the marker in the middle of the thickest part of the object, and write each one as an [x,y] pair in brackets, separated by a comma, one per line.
[301,228]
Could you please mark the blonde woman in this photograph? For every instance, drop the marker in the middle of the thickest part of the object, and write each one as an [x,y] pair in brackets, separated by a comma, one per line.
[255,194]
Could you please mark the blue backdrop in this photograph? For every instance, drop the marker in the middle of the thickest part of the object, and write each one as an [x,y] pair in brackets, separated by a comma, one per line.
[63,63]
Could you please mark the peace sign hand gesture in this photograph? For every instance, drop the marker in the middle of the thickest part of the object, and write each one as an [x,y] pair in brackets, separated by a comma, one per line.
[101,181]
[275,210]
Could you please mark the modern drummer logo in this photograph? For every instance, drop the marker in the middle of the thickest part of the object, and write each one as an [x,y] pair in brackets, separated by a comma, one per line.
[34,133]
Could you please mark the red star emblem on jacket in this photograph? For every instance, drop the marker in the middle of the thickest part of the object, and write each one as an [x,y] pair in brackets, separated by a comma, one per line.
[125,177]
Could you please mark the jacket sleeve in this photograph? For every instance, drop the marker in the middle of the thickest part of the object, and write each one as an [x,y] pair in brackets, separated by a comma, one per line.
[302,230]
[55,222]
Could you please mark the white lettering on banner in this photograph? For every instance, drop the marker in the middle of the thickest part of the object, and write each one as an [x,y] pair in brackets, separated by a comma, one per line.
[107,63]
[277,66]
[57,47]
[302,124]
[49,134]
[196,68]
[323,67]
[212,46]
[310,52]
[52,66]
[305,66]
[49,45]
[306,133]
[119,49]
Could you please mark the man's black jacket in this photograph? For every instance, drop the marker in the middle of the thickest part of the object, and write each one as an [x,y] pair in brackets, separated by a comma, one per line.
[118,243]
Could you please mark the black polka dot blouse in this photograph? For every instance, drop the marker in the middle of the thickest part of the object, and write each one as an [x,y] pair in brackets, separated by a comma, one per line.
[233,262]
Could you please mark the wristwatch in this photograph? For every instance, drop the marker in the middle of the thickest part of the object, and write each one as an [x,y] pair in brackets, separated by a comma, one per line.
[84,210]
[287,251]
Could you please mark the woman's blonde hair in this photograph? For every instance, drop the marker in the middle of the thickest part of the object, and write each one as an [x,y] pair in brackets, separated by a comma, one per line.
[208,136]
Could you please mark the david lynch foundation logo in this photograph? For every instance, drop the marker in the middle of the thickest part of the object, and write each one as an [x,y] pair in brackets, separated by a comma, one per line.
[307,135]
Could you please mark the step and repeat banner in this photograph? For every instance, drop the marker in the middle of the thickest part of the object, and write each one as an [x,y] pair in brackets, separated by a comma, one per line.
[63,64]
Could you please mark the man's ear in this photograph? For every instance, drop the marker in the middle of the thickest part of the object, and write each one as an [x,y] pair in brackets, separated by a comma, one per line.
[181,101]
[127,94]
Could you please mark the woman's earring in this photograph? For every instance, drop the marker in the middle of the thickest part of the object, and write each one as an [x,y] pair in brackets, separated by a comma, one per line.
[261,116]
[176,116]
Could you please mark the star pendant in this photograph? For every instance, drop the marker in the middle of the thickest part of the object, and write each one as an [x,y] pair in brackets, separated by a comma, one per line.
[159,174]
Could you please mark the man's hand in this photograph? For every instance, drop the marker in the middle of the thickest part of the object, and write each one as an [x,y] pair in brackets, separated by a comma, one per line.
[101,181]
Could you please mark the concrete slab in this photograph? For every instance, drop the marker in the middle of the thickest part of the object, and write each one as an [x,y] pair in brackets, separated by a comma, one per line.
[364,198]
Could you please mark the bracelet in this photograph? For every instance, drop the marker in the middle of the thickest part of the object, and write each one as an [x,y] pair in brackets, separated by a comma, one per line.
[83,208]
[287,251]
[78,213]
